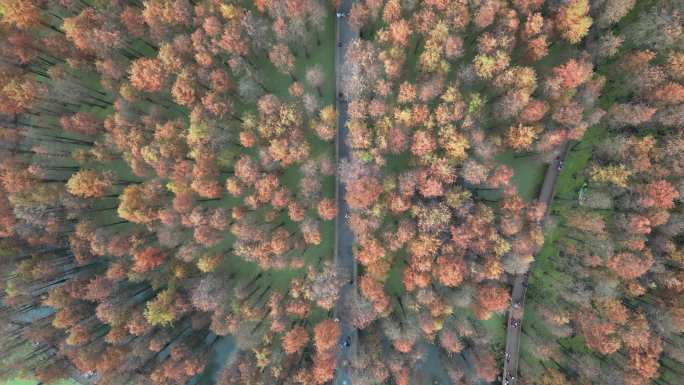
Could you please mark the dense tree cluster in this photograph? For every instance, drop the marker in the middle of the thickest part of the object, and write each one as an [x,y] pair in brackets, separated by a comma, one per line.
[166,185]
[617,287]
[163,186]
[436,92]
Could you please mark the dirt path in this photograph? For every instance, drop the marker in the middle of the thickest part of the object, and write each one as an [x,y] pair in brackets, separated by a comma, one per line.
[512,354]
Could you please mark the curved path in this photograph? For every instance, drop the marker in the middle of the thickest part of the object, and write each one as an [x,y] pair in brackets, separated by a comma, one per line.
[344,259]
[515,314]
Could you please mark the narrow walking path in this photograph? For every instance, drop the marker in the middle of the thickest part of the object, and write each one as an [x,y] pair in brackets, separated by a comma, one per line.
[344,259]
[515,314]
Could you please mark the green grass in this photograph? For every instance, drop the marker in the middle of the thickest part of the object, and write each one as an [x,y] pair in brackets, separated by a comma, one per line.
[569,182]
[495,328]
[528,175]
[18,381]
[394,285]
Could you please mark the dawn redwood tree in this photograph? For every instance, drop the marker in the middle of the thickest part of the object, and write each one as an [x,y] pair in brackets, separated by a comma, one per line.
[295,340]
[147,75]
[315,76]
[327,209]
[147,259]
[326,335]
[491,299]
[283,59]
[572,20]
[362,193]
[89,184]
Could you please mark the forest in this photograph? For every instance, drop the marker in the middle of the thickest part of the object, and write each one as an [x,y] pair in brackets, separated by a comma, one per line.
[347,192]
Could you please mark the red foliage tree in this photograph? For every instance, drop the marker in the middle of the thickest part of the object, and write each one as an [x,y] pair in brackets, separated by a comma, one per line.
[148,259]
[491,298]
[450,270]
[295,340]
[363,192]
[327,209]
[148,75]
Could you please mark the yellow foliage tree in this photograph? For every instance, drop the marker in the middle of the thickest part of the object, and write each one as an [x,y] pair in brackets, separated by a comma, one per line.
[616,175]
[572,20]
[521,138]
[89,184]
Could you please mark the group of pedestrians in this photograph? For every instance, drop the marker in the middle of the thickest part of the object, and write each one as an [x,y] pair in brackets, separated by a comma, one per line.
[515,321]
